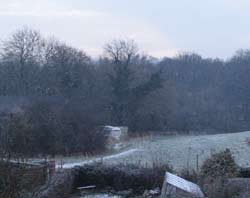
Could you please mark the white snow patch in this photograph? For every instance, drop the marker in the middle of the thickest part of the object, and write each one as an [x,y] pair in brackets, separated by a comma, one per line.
[115,156]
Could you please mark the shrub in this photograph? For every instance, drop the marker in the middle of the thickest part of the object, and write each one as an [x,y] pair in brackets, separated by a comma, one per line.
[190,175]
[47,129]
[121,177]
[17,180]
[221,164]
[215,171]
[244,172]
[217,188]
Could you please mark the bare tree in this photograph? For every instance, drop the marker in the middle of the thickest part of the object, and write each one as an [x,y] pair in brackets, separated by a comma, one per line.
[21,58]
[121,51]
[65,68]
[23,46]
[127,95]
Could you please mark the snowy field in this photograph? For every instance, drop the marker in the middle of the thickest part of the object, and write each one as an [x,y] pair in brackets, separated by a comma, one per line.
[179,151]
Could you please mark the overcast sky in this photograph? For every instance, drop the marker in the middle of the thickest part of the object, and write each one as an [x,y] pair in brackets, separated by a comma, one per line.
[212,28]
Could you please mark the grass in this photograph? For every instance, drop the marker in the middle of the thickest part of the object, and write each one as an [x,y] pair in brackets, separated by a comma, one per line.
[182,151]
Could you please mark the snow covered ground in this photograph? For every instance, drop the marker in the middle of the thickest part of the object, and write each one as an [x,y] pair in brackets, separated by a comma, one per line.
[179,151]
[98,159]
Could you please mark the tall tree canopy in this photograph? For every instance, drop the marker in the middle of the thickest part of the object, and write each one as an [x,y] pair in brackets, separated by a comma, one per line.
[126,95]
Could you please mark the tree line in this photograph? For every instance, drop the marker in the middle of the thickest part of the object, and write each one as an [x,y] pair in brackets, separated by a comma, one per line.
[65,94]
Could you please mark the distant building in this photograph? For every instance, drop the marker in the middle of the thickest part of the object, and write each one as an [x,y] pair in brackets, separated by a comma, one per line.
[115,133]
[177,187]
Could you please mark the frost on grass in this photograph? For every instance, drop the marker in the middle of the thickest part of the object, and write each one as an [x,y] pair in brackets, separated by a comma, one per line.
[180,151]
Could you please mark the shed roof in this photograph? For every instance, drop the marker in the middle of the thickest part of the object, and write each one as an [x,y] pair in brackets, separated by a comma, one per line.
[183,184]
[112,128]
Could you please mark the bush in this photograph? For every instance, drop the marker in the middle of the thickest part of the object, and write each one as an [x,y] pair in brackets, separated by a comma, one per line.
[121,177]
[215,172]
[18,138]
[217,188]
[190,175]
[48,129]
[17,180]
[221,164]
[244,172]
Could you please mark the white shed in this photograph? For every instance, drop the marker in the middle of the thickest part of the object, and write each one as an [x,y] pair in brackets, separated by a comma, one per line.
[177,187]
[114,132]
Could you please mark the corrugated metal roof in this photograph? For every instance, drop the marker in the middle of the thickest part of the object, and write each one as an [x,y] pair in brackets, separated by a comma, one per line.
[183,184]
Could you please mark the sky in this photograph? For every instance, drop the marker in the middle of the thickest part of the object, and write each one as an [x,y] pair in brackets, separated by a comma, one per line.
[211,28]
